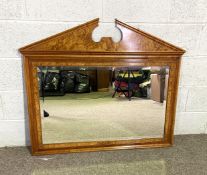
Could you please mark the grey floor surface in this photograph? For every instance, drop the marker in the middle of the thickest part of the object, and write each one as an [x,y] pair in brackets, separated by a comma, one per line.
[188,156]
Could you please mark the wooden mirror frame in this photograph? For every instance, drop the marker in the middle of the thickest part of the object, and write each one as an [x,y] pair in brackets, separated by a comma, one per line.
[75,47]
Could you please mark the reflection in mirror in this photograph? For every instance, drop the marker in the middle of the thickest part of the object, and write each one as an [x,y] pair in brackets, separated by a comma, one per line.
[80,104]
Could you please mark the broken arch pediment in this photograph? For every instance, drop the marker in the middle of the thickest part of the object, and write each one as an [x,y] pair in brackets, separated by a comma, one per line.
[79,39]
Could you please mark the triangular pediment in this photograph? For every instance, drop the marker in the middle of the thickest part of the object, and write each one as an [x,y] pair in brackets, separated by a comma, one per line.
[79,39]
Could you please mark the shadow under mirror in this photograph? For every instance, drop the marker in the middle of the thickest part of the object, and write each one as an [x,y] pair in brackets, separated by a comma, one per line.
[80,104]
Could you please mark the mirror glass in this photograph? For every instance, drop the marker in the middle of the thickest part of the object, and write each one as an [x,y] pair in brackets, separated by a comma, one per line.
[81,104]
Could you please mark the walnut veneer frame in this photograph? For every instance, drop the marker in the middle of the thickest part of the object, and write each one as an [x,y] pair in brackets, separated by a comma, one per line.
[75,47]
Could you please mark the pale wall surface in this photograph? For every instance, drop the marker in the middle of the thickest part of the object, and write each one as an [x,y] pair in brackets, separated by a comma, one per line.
[181,22]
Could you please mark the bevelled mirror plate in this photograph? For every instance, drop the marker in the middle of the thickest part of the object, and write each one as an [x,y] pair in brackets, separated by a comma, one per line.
[80,104]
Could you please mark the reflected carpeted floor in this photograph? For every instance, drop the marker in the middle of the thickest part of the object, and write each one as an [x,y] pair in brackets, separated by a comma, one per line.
[98,116]
[187,157]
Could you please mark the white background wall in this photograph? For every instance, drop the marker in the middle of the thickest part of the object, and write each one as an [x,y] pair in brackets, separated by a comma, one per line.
[181,22]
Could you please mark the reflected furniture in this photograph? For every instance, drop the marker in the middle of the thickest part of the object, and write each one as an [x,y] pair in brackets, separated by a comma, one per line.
[127,82]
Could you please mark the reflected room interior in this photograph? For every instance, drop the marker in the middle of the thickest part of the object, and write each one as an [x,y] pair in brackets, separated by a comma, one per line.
[81,104]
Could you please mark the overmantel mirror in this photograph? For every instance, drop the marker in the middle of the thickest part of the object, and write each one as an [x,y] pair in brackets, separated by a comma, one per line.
[89,96]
